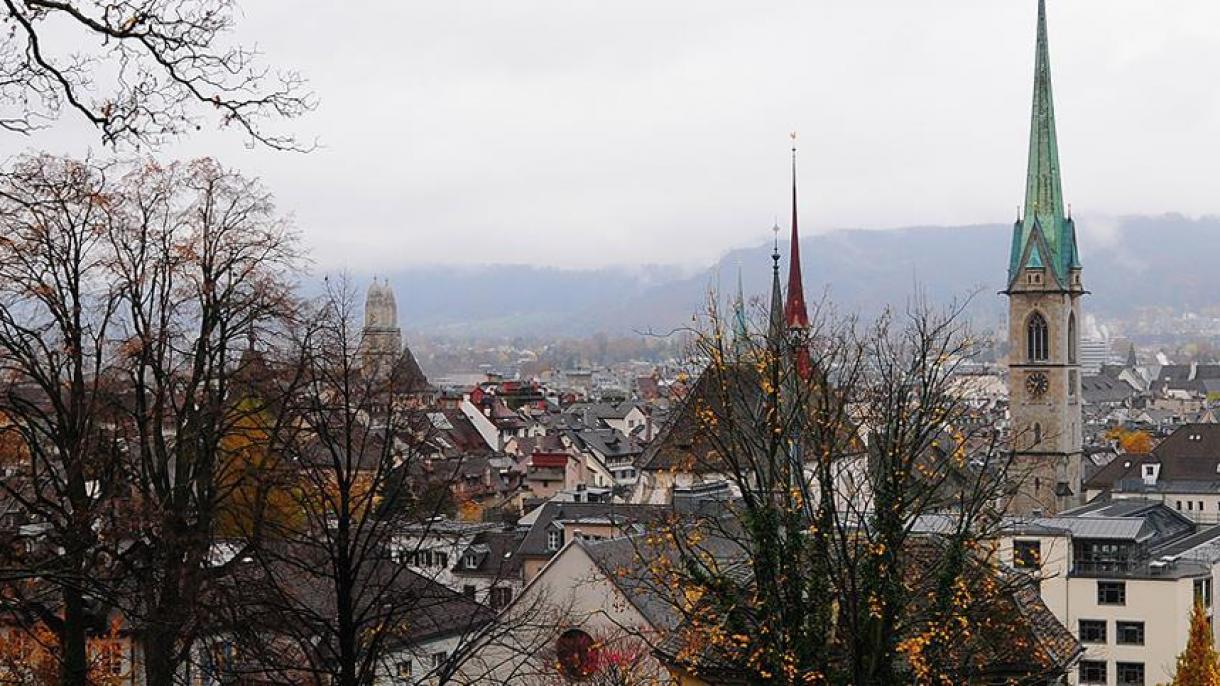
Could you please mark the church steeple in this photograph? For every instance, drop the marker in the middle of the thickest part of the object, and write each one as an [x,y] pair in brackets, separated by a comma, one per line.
[741,332]
[795,314]
[775,329]
[1044,292]
[1045,237]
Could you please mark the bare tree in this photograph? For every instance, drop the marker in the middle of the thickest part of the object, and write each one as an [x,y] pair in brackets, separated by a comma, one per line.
[202,266]
[141,71]
[858,548]
[324,588]
[57,308]
[133,294]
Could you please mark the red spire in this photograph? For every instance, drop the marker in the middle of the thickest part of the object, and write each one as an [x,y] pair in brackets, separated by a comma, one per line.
[795,314]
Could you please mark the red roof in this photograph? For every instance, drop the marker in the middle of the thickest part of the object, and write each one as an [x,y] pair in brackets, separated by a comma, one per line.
[549,460]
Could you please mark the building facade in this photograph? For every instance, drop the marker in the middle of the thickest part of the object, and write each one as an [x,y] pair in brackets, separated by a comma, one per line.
[1123,577]
[1044,291]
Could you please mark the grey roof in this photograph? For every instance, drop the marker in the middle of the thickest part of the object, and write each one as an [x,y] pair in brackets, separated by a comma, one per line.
[1208,537]
[1103,389]
[1130,519]
[609,442]
[1115,528]
[497,555]
[535,543]
[622,561]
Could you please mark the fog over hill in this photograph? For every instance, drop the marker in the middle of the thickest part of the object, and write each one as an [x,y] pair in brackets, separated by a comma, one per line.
[1165,261]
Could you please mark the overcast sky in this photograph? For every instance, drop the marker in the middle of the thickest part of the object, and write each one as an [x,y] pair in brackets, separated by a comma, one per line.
[579,132]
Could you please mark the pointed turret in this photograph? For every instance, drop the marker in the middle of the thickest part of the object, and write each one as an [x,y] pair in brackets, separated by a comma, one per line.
[795,314]
[741,333]
[775,329]
[1045,237]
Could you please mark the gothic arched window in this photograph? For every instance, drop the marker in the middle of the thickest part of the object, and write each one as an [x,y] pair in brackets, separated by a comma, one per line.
[1037,338]
[1072,338]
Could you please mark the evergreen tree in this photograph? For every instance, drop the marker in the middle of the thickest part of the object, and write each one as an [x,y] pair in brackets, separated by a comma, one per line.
[1198,665]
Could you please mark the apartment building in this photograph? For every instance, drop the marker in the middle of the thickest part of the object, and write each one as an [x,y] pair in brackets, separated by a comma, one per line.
[1123,576]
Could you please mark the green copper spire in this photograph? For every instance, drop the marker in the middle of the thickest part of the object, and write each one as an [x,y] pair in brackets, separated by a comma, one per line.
[1045,223]
[741,332]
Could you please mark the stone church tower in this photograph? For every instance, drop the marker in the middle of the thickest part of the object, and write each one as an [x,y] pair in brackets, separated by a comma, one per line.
[382,351]
[381,341]
[1044,290]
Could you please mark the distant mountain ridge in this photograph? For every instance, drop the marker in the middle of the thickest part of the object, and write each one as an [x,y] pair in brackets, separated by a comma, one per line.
[1133,262]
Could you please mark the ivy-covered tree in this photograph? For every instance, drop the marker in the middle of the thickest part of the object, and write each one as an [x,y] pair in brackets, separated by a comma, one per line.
[857,546]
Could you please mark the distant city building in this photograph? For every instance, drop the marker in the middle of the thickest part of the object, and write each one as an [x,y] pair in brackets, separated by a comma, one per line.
[1094,353]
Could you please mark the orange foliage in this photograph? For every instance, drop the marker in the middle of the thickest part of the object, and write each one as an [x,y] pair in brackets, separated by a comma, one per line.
[1131,441]
[1198,665]
[250,481]
[30,657]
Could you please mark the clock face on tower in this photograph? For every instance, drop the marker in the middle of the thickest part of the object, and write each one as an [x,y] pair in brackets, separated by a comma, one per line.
[1037,384]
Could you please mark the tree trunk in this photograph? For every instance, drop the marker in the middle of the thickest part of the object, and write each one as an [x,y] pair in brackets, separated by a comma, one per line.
[73,637]
[160,664]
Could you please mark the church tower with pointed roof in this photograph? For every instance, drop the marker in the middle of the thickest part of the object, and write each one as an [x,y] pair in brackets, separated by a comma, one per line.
[1044,289]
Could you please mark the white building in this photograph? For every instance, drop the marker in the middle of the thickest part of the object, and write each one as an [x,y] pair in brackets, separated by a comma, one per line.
[1123,576]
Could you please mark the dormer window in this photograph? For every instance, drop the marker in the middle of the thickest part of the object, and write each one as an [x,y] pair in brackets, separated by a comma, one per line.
[470,561]
[554,539]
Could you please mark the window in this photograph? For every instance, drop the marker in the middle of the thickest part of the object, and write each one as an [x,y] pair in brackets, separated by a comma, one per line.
[1203,591]
[1026,554]
[110,658]
[1130,673]
[404,668]
[554,539]
[1072,338]
[442,559]
[470,561]
[1190,505]
[1092,672]
[1072,383]
[577,654]
[1129,633]
[1092,631]
[438,659]
[1111,593]
[217,662]
[501,596]
[1037,338]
